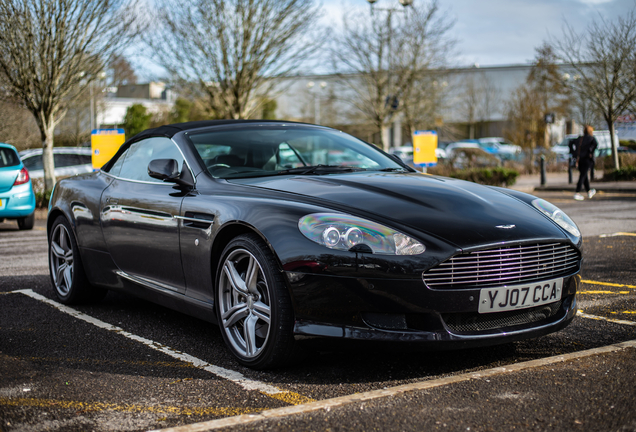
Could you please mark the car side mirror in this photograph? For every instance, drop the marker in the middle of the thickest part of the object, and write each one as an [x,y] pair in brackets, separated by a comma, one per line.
[164,169]
[167,170]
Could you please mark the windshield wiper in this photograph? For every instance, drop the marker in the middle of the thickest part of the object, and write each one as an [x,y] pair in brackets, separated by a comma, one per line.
[319,169]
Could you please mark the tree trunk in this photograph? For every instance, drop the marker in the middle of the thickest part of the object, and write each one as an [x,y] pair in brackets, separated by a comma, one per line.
[47,132]
[612,132]
[385,139]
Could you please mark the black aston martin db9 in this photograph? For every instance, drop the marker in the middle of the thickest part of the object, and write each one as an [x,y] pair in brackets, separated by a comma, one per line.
[277,231]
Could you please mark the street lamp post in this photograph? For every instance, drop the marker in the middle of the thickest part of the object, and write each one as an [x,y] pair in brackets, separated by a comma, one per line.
[390,98]
[316,94]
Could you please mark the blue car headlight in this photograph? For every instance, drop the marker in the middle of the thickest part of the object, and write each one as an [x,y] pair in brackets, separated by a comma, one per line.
[557,215]
[343,232]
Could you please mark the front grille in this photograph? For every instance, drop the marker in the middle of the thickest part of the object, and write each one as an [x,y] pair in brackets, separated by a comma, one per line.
[504,266]
[475,322]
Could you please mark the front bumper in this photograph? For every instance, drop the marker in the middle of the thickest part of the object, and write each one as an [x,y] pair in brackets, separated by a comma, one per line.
[407,311]
[17,202]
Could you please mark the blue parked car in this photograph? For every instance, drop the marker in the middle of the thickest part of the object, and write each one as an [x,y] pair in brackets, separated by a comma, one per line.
[17,200]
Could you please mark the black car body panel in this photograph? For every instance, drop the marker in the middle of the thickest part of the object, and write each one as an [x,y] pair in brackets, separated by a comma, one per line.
[163,242]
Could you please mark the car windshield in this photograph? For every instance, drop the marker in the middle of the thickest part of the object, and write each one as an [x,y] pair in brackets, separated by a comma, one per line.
[255,151]
[8,157]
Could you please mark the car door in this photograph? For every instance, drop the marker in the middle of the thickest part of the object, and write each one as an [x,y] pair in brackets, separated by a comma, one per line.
[138,217]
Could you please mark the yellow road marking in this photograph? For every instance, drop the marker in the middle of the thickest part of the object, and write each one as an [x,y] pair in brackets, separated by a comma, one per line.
[597,292]
[625,313]
[601,318]
[102,406]
[617,234]
[291,398]
[608,284]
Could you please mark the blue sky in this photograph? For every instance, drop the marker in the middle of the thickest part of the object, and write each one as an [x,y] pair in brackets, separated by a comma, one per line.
[488,32]
[501,32]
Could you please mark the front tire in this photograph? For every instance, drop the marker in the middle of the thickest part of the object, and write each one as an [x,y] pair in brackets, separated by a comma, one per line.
[66,269]
[27,222]
[253,304]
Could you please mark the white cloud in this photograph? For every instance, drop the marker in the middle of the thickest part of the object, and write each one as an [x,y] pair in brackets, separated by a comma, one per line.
[501,32]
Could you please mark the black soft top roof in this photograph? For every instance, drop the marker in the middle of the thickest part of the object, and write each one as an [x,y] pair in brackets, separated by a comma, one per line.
[172,129]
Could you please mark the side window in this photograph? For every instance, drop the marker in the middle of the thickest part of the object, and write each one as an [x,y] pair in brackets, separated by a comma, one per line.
[33,162]
[63,160]
[133,163]
[84,159]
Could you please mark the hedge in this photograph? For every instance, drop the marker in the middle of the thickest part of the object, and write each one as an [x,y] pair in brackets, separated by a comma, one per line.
[488,176]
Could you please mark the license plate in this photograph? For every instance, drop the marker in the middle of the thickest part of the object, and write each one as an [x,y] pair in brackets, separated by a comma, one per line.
[523,296]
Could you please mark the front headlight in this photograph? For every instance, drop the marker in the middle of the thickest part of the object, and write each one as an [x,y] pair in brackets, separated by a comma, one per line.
[557,215]
[343,232]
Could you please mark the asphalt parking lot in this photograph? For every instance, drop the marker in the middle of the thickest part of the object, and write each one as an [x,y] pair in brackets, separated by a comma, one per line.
[127,365]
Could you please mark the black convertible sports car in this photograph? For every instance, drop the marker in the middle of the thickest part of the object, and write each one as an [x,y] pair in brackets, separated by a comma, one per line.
[277,231]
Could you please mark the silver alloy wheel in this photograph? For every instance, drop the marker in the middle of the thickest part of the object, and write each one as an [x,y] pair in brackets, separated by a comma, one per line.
[61,257]
[244,303]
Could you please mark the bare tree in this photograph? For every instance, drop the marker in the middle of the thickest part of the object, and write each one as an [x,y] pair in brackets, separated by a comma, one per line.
[478,98]
[17,126]
[470,100]
[542,93]
[51,50]
[603,60]
[424,102]
[233,49]
[525,111]
[490,100]
[121,72]
[380,58]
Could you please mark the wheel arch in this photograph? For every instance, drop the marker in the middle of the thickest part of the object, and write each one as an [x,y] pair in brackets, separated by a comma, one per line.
[225,234]
[52,216]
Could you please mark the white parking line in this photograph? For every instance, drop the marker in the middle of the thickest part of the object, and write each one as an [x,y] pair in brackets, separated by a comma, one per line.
[377,394]
[235,377]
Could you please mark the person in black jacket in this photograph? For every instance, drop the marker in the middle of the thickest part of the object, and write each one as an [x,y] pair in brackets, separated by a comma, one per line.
[585,148]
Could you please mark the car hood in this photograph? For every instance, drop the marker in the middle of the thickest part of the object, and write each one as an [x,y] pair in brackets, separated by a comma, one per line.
[463,213]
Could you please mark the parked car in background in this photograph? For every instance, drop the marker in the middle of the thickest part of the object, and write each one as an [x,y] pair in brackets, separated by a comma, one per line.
[465,144]
[17,200]
[466,158]
[604,148]
[403,152]
[500,147]
[68,161]
[620,149]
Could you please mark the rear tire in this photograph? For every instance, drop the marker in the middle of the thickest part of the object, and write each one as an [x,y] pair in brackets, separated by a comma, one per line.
[66,269]
[253,305]
[27,222]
